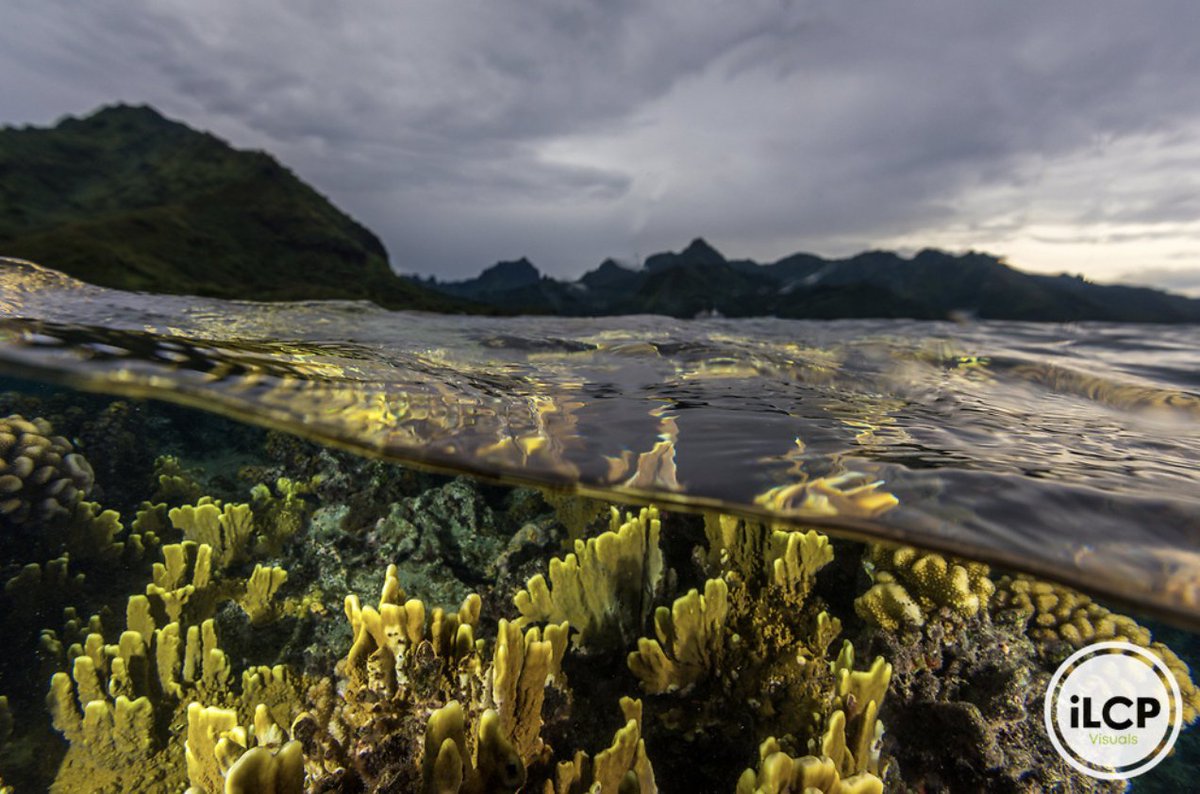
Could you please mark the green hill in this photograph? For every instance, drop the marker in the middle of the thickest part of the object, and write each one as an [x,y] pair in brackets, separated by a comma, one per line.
[126,198]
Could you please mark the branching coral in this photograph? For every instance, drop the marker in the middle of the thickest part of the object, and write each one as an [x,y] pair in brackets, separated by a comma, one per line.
[759,636]
[447,766]
[113,704]
[228,529]
[605,589]
[175,486]
[1060,620]
[577,513]
[259,601]
[184,578]
[223,756]
[789,559]
[35,585]
[622,767]
[779,773]
[280,513]
[691,641]
[404,661]
[522,665]
[853,733]
[386,639]
[911,586]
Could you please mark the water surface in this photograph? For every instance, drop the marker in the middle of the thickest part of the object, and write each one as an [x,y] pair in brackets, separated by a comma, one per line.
[1068,451]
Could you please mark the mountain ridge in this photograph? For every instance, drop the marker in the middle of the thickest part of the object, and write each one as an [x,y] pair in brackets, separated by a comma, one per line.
[127,198]
[930,285]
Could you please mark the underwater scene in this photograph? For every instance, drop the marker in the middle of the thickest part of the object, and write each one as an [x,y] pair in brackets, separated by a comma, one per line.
[327,547]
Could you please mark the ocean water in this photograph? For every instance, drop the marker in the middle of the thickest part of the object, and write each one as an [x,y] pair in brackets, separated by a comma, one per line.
[1048,473]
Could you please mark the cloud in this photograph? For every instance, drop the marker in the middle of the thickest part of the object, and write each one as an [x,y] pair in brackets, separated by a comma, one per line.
[467,132]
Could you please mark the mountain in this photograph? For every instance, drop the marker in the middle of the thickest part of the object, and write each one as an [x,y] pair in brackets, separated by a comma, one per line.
[932,285]
[129,199]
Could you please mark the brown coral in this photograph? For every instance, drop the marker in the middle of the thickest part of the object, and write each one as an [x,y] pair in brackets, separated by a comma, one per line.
[41,476]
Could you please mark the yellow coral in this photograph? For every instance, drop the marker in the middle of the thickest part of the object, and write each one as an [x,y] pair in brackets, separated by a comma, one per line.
[691,640]
[171,586]
[281,513]
[223,756]
[605,589]
[787,558]
[1060,613]
[1057,614]
[385,637]
[446,765]
[576,513]
[36,585]
[779,773]
[259,600]
[228,529]
[622,767]
[175,486]
[910,586]
[521,668]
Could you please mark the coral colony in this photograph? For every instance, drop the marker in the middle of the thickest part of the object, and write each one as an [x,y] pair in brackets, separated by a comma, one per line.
[215,660]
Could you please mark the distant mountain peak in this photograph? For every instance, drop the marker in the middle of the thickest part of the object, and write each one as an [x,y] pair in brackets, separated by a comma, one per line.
[611,273]
[930,284]
[700,250]
[124,109]
[510,273]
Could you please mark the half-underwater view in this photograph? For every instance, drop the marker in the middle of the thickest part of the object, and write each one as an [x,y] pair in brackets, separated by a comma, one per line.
[566,397]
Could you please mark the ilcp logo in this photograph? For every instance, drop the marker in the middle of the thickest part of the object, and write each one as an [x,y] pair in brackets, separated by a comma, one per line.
[1113,710]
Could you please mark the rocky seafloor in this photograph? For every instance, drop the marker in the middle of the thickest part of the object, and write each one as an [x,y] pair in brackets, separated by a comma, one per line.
[195,604]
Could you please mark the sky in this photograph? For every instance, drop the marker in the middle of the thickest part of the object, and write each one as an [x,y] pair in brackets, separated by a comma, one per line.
[1063,136]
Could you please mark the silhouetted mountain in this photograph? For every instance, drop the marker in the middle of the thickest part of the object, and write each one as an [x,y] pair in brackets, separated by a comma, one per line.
[500,277]
[129,199]
[931,285]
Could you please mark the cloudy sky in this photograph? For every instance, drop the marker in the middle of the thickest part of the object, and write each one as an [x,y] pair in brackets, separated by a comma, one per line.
[1064,136]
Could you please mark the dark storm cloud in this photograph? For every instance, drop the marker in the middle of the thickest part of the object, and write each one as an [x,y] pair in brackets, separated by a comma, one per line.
[470,131]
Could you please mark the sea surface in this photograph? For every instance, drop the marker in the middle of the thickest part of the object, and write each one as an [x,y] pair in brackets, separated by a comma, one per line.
[1066,450]
[1070,452]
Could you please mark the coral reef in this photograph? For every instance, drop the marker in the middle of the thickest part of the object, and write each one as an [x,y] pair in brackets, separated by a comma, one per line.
[199,647]
[116,701]
[406,659]
[755,642]
[964,711]
[223,756]
[605,589]
[176,486]
[692,632]
[227,529]
[41,476]
[911,587]
[1061,620]
[623,766]
[779,773]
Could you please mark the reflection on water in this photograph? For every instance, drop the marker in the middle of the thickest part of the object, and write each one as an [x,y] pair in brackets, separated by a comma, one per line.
[1068,451]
